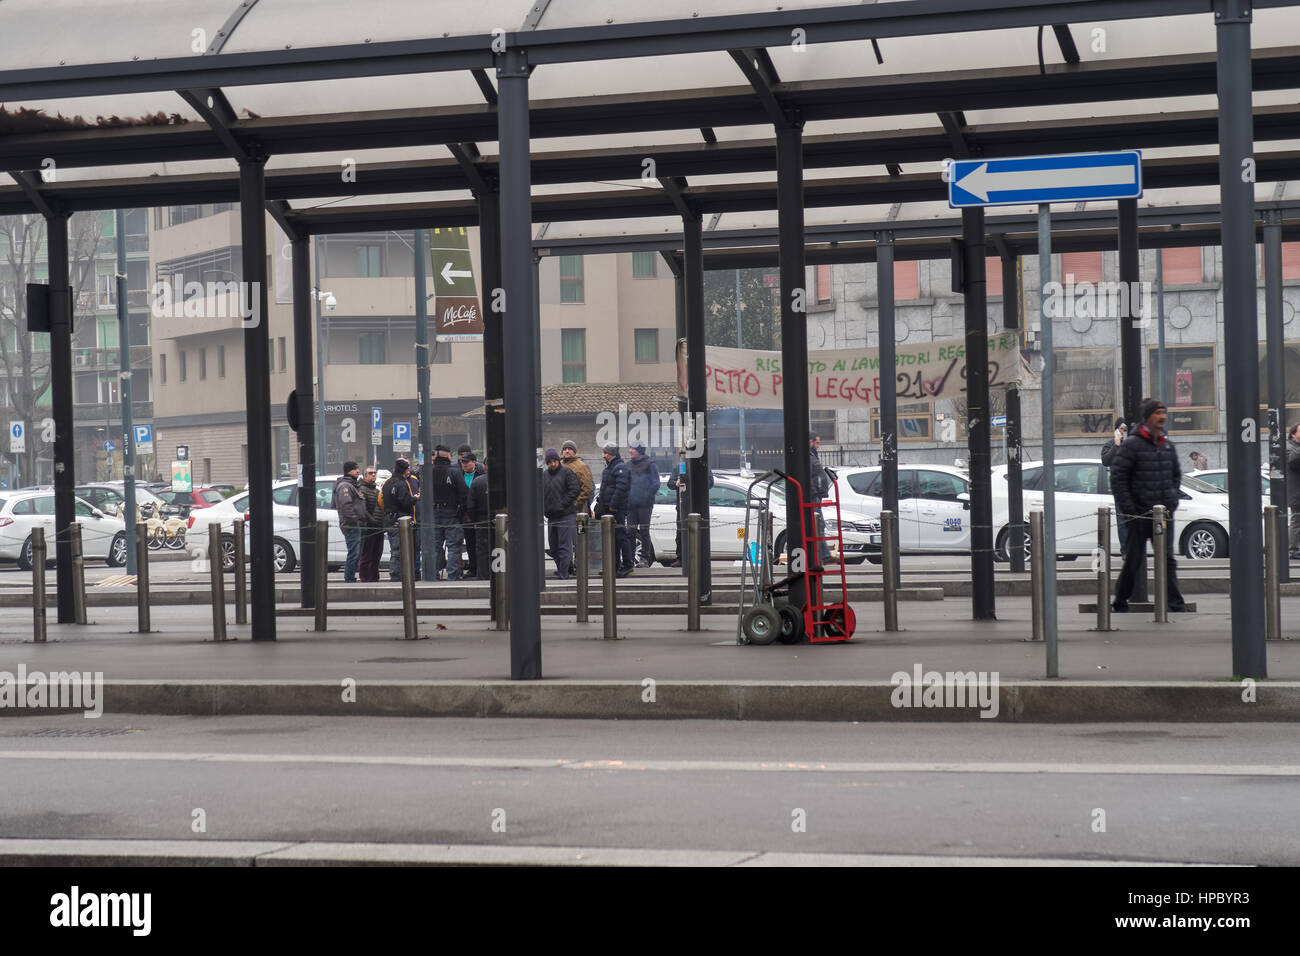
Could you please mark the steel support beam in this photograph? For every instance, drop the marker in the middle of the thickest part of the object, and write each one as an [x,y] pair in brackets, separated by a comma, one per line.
[697,467]
[1275,349]
[257,395]
[1065,40]
[794,332]
[304,395]
[521,385]
[494,418]
[1130,331]
[977,414]
[65,479]
[424,428]
[888,386]
[1240,331]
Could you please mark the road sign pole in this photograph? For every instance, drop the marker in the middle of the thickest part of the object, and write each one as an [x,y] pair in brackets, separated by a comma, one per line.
[429,569]
[1049,445]
[124,367]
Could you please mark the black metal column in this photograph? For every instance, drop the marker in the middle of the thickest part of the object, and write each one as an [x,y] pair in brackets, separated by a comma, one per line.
[494,419]
[1012,320]
[794,331]
[65,478]
[888,382]
[304,395]
[697,467]
[257,395]
[1130,333]
[424,427]
[124,373]
[1274,336]
[977,415]
[1241,370]
[521,386]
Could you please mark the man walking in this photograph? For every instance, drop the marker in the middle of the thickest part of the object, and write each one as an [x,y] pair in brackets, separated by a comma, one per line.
[642,491]
[448,494]
[569,459]
[478,522]
[372,540]
[351,508]
[615,482]
[1144,473]
[1293,488]
[469,470]
[559,492]
[401,494]
[1108,450]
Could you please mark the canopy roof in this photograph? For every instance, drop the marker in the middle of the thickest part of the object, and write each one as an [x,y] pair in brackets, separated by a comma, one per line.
[624,95]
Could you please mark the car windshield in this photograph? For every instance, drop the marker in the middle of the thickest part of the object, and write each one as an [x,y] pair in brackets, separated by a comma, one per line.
[1195,484]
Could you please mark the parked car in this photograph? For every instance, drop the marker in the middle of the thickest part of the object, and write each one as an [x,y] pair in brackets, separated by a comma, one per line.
[1083,486]
[103,537]
[198,497]
[933,505]
[1218,479]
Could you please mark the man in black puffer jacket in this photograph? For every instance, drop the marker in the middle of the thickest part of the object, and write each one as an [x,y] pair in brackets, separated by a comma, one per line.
[615,484]
[560,492]
[1144,473]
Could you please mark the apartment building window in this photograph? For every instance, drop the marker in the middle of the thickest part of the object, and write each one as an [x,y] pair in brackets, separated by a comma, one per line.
[913,422]
[907,284]
[1181,266]
[203,364]
[1084,266]
[370,348]
[221,361]
[1084,387]
[823,423]
[647,345]
[1290,260]
[993,275]
[1189,388]
[283,363]
[573,349]
[183,366]
[106,333]
[823,281]
[643,265]
[440,353]
[369,261]
[571,279]
[106,290]
[162,368]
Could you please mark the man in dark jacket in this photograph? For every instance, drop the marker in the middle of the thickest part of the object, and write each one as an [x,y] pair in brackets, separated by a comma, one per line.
[560,492]
[1107,456]
[642,491]
[615,483]
[1293,488]
[678,480]
[372,540]
[351,508]
[469,470]
[1144,473]
[448,494]
[401,494]
[478,516]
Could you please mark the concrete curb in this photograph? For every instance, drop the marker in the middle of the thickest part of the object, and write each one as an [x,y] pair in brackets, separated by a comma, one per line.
[1017,701]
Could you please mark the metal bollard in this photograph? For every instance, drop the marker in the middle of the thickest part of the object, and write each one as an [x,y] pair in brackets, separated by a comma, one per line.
[693,572]
[503,592]
[143,624]
[78,573]
[1103,569]
[1273,559]
[1036,574]
[321,599]
[1159,530]
[607,566]
[241,575]
[38,585]
[218,576]
[580,566]
[889,567]
[406,532]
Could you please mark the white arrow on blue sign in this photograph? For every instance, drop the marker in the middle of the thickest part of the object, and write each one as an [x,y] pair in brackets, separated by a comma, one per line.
[1070,177]
[110,446]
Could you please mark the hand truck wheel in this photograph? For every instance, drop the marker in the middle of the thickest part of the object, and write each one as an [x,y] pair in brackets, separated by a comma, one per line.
[791,624]
[761,624]
[841,622]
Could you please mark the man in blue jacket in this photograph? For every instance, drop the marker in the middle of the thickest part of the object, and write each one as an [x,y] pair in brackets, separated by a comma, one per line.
[642,492]
[615,484]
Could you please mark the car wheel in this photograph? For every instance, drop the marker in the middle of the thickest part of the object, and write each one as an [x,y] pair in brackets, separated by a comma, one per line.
[875,559]
[117,551]
[1001,552]
[285,560]
[25,555]
[1203,541]
[227,552]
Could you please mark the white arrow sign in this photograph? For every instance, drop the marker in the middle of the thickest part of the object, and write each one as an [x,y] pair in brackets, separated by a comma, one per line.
[980,182]
[448,272]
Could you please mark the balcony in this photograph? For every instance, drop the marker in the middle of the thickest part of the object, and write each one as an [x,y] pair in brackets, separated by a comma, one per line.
[136,245]
[97,414]
[84,359]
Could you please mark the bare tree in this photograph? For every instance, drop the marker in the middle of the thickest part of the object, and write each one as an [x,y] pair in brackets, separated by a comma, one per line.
[25,356]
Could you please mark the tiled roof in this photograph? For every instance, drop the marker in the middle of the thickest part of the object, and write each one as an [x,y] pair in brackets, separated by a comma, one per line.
[589,398]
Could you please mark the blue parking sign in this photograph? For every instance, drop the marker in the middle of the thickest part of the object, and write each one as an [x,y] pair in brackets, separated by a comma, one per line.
[376,418]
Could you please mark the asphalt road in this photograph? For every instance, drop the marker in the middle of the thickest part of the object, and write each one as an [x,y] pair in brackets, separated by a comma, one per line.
[1182,793]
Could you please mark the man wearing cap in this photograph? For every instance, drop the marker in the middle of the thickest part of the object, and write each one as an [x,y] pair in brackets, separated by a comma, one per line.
[569,459]
[559,492]
[351,508]
[471,469]
[642,491]
[401,494]
[1144,473]
[615,482]
[448,492]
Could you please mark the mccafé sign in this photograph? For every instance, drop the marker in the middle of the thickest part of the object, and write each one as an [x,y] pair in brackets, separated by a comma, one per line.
[458,319]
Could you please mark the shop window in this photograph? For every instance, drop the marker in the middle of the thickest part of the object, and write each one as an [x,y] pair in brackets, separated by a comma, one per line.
[1084,391]
[1190,390]
[913,422]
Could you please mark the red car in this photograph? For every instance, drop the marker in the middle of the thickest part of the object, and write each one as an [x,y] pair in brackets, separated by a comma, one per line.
[187,500]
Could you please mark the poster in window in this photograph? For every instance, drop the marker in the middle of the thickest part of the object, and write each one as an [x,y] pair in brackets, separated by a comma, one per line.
[1182,388]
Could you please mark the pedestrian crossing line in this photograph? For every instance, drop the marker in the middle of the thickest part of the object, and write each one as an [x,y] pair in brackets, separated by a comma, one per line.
[116,581]
[696,766]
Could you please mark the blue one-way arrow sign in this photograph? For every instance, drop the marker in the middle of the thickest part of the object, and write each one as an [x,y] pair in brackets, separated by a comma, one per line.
[1071,177]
